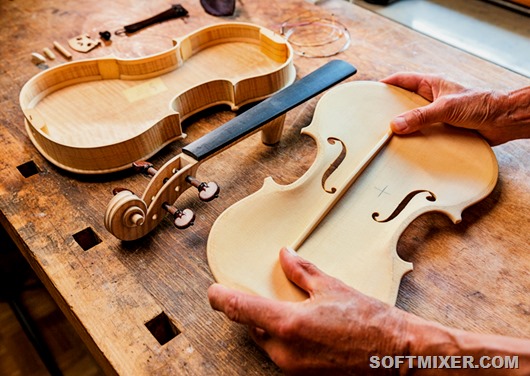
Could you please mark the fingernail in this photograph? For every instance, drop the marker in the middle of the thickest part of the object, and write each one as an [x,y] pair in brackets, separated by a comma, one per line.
[399,124]
[291,251]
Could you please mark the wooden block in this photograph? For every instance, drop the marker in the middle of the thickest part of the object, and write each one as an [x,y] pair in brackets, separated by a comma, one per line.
[49,54]
[59,47]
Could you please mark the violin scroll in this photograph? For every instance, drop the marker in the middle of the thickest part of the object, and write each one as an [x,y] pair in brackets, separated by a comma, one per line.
[129,217]
[129,208]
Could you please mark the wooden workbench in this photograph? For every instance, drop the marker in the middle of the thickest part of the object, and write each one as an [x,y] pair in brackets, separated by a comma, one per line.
[474,275]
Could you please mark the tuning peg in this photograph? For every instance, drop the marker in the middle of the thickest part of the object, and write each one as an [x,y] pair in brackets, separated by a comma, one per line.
[144,167]
[183,218]
[207,191]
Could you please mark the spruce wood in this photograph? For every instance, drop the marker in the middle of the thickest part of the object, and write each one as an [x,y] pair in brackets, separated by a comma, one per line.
[347,212]
[471,276]
[129,217]
[100,115]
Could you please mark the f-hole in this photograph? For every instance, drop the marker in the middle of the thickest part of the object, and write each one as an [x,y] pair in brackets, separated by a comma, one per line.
[430,197]
[332,167]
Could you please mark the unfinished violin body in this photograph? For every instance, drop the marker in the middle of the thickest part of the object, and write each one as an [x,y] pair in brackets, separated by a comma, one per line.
[347,212]
[100,115]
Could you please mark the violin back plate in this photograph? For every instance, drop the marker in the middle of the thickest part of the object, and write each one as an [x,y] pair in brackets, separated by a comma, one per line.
[347,212]
[100,115]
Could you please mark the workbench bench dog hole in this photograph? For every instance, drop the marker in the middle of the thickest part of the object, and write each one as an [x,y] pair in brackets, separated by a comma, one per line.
[28,169]
[87,238]
[162,328]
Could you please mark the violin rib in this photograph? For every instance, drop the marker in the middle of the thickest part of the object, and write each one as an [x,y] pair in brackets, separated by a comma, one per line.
[98,116]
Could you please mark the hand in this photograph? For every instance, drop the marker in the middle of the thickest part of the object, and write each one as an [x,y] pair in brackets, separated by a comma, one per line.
[498,116]
[336,329]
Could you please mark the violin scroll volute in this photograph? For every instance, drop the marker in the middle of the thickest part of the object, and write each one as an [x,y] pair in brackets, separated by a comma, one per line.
[129,217]
[125,212]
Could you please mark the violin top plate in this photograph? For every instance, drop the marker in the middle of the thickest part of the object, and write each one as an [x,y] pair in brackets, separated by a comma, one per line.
[347,212]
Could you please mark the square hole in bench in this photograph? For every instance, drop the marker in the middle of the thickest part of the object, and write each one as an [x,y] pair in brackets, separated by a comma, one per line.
[87,238]
[162,328]
[28,169]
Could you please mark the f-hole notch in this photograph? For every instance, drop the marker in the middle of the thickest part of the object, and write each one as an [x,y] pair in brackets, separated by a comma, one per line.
[430,197]
[332,167]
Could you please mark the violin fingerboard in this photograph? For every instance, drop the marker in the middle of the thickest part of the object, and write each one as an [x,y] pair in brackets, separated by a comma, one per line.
[252,120]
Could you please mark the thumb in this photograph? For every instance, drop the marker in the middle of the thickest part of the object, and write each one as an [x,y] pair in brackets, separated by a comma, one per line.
[418,118]
[301,272]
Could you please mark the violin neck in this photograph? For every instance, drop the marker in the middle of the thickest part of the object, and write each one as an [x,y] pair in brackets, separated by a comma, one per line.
[253,119]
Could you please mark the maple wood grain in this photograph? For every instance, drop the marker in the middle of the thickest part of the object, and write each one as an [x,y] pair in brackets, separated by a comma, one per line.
[474,275]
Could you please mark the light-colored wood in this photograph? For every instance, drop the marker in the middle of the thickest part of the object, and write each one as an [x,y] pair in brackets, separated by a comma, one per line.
[472,276]
[272,132]
[83,43]
[49,53]
[348,220]
[100,115]
[130,217]
[37,58]
[59,47]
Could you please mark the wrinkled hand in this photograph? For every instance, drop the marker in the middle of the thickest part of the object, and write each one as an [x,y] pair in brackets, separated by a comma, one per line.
[335,330]
[498,116]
